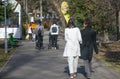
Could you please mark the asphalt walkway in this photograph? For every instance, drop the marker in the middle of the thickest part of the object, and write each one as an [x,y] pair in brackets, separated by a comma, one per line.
[30,63]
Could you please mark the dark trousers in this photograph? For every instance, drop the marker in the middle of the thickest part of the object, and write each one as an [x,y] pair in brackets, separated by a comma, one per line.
[88,68]
[30,36]
[39,41]
[54,40]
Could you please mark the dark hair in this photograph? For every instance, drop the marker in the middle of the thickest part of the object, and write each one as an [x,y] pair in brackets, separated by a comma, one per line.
[70,23]
[39,22]
[54,22]
[87,22]
[30,23]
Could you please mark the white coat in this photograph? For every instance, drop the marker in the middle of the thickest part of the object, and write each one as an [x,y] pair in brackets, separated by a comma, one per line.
[73,40]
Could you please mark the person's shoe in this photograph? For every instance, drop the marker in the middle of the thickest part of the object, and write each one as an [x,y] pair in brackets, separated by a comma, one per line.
[74,74]
[71,76]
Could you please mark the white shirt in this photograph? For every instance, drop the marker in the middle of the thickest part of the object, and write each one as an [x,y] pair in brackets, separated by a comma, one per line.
[56,33]
[29,30]
[72,38]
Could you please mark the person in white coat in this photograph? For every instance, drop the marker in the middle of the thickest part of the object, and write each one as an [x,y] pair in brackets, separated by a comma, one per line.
[72,47]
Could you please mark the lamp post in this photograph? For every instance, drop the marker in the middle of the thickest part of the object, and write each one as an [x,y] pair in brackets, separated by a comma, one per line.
[6,45]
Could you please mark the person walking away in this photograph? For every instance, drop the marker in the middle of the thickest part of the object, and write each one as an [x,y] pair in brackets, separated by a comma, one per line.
[59,26]
[54,31]
[72,47]
[30,32]
[88,45]
[39,33]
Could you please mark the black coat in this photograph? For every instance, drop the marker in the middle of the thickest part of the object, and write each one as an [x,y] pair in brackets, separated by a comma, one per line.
[89,43]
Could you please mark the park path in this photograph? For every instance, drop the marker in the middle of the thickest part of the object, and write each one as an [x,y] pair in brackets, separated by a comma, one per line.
[30,63]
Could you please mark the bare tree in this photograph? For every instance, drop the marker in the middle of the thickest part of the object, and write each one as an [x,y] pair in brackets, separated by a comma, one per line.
[58,9]
[54,4]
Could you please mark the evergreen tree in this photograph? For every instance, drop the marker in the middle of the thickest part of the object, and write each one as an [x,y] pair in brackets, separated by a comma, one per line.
[9,10]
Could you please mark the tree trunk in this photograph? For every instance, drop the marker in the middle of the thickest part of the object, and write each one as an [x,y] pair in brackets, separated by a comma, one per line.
[117,24]
[58,9]
[106,36]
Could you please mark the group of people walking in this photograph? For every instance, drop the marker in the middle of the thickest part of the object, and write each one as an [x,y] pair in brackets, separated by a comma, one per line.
[39,33]
[79,44]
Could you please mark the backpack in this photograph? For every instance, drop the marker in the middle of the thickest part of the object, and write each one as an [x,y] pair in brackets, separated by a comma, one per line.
[54,29]
[39,31]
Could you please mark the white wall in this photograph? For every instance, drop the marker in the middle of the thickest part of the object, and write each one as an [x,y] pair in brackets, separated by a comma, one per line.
[15,31]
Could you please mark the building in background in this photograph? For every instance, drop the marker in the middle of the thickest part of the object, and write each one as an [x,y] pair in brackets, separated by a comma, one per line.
[16,29]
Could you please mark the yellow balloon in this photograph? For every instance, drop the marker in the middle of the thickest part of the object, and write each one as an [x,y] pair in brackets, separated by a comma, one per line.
[64,9]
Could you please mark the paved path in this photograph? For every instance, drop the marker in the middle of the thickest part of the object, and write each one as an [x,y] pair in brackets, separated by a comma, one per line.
[30,63]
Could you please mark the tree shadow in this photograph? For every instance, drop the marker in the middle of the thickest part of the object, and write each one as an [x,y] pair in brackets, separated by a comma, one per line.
[81,70]
[113,56]
[2,46]
[13,64]
[66,70]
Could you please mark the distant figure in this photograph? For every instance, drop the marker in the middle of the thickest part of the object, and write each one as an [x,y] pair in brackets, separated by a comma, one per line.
[59,26]
[39,33]
[72,47]
[88,45]
[30,32]
[54,32]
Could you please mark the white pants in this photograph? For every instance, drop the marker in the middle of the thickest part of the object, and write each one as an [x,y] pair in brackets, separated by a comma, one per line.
[73,63]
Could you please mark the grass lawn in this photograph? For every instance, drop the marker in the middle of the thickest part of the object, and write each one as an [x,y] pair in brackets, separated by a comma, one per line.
[5,56]
[110,54]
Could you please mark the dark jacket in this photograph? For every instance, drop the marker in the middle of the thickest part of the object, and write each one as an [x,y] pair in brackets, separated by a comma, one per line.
[89,43]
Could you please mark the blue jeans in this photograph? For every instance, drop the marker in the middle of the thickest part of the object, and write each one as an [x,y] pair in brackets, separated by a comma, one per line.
[30,36]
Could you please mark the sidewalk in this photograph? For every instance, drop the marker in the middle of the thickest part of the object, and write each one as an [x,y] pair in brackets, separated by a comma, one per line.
[30,63]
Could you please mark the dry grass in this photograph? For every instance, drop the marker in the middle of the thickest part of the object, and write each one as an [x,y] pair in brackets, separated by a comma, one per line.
[110,54]
[5,56]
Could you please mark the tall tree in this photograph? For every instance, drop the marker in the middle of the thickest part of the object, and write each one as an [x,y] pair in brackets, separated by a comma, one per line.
[103,22]
[58,9]
[80,9]
[1,11]
[9,10]
[53,4]
[116,6]
[97,11]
